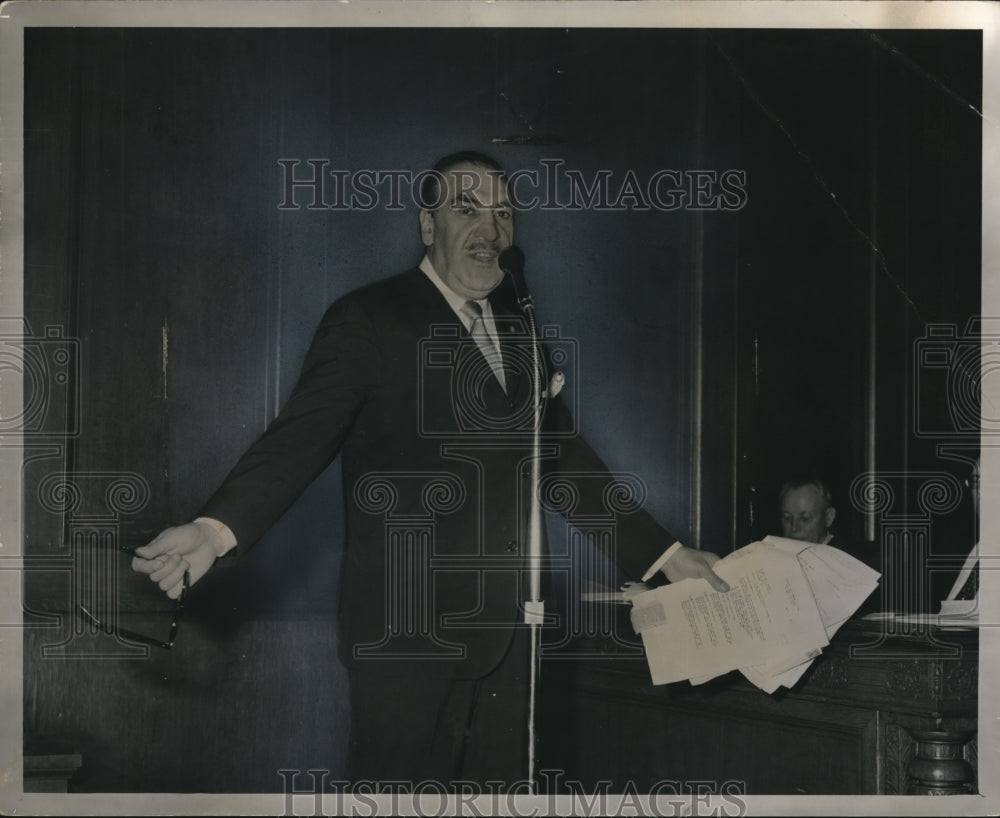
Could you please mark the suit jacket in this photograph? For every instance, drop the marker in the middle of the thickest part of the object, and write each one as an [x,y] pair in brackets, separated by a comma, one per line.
[434,458]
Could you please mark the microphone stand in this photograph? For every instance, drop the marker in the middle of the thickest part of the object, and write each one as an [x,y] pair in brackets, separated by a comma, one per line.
[534,608]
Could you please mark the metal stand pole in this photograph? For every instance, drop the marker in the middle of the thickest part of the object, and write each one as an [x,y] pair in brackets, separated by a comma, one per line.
[534,610]
[511,261]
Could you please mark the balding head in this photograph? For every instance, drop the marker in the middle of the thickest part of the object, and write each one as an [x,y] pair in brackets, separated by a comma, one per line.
[807,510]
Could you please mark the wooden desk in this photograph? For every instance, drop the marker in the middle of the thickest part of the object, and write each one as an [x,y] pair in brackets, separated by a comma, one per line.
[879,712]
[50,773]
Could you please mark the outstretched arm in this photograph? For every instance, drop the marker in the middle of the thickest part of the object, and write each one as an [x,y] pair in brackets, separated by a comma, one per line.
[339,372]
[647,547]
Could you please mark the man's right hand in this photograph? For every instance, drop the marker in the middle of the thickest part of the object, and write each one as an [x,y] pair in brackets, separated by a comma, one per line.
[692,563]
[190,547]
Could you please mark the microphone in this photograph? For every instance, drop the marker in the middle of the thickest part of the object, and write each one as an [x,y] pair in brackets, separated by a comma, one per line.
[511,262]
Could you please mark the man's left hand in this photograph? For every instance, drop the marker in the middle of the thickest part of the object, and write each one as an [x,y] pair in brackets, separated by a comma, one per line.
[690,563]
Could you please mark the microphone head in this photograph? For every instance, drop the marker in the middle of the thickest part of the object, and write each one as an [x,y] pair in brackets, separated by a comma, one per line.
[511,261]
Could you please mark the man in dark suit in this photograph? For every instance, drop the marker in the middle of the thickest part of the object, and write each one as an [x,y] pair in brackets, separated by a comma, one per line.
[418,382]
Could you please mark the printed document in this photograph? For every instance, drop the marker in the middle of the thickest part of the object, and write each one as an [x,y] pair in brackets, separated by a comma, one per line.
[786,600]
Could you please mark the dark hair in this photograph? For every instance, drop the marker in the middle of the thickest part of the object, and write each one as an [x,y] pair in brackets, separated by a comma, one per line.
[802,481]
[430,186]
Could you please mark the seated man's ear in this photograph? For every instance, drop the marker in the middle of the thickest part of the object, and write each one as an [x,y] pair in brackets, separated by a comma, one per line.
[829,516]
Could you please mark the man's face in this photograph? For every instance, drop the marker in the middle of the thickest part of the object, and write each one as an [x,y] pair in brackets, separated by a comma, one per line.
[466,234]
[805,515]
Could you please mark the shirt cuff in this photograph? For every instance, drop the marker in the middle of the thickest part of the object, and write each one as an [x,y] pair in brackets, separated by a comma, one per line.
[226,541]
[656,566]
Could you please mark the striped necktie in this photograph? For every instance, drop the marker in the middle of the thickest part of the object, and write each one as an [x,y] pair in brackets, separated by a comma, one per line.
[487,345]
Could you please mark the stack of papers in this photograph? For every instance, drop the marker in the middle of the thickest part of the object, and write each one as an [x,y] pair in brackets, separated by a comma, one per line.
[786,600]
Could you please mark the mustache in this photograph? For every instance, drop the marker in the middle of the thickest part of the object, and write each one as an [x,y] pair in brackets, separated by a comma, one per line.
[480,247]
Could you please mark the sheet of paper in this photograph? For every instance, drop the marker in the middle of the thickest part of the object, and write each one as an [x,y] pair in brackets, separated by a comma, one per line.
[601,593]
[840,583]
[689,630]
[700,680]
[770,683]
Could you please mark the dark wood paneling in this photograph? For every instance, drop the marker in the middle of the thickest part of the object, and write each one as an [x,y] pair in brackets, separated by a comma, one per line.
[862,228]
[268,698]
[848,727]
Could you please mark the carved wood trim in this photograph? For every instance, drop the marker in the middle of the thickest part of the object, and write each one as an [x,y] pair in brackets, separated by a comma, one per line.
[900,748]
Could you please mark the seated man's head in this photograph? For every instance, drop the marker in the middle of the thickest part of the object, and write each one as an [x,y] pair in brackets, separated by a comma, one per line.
[807,510]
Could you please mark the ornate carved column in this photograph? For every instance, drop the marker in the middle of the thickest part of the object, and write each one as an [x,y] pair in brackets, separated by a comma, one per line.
[409,547]
[903,503]
[93,504]
[589,557]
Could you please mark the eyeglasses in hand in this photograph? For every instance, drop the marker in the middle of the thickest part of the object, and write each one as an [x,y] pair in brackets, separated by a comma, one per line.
[133,636]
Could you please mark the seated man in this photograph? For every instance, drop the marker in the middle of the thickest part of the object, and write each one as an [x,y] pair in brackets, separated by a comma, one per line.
[808,513]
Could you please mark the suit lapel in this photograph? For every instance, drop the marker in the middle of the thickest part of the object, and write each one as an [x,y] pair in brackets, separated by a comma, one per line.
[516,356]
[432,309]
[515,345]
